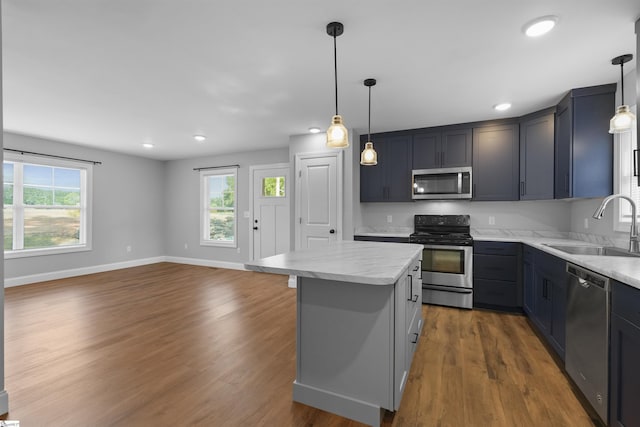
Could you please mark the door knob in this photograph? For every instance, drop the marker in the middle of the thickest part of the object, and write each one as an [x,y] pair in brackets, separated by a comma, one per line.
[332,231]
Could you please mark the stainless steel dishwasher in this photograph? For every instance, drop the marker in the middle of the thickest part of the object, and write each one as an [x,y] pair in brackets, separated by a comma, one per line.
[587,336]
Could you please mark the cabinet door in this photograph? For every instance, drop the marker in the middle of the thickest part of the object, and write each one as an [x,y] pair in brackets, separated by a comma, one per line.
[624,410]
[397,168]
[426,150]
[558,315]
[456,148]
[495,163]
[592,145]
[528,282]
[372,178]
[563,149]
[536,158]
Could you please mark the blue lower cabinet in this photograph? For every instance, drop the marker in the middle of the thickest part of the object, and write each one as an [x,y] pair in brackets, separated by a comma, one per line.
[495,276]
[624,407]
[545,295]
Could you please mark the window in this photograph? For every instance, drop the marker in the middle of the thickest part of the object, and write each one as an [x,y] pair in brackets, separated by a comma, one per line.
[273,186]
[627,183]
[218,202]
[46,206]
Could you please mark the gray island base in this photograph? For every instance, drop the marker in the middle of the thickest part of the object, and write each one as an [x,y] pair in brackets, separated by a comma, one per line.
[358,324]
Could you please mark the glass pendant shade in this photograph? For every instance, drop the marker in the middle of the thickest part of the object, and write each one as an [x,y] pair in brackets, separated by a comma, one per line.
[622,121]
[337,135]
[368,157]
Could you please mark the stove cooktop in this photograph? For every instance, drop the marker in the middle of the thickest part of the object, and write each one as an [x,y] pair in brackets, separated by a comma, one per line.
[451,230]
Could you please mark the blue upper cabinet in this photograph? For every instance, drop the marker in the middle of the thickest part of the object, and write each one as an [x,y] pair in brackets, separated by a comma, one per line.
[536,155]
[390,179]
[450,147]
[496,162]
[584,147]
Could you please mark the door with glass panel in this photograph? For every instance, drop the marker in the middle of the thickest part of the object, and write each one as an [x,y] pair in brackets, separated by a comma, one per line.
[270,218]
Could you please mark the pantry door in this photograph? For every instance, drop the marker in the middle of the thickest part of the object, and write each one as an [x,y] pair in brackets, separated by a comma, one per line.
[318,199]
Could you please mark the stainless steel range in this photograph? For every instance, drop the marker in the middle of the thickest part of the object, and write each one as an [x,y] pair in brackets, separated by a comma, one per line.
[447,259]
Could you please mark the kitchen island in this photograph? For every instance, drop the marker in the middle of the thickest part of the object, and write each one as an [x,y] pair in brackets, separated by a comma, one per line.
[358,324]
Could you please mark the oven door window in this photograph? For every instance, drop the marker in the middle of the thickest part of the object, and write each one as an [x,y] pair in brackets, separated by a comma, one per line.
[443,260]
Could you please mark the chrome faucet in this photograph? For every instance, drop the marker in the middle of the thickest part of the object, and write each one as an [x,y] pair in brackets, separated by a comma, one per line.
[634,244]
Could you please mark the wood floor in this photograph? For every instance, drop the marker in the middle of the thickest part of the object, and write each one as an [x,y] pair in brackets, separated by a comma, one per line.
[176,345]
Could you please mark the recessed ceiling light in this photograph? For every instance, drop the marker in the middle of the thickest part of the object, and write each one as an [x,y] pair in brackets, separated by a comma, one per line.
[540,26]
[314,129]
[199,138]
[502,106]
[147,145]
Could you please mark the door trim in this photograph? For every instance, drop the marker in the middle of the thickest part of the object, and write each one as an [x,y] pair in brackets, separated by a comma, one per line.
[297,172]
[252,170]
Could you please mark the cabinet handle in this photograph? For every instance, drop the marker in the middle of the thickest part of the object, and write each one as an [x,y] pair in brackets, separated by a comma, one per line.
[635,165]
[473,191]
[416,338]
[415,298]
[416,268]
[566,182]
[409,286]
[544,289]
[522,188]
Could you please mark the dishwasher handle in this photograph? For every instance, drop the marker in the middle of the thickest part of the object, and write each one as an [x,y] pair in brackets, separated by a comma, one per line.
[587,278]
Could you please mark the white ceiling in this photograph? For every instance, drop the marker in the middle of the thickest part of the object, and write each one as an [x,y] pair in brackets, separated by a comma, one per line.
[248,74]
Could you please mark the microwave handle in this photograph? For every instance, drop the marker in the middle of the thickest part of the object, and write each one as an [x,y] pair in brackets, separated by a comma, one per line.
[459,182]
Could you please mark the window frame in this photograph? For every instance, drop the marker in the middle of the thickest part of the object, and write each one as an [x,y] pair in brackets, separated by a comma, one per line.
[623,143]
[205,208]
[86,203]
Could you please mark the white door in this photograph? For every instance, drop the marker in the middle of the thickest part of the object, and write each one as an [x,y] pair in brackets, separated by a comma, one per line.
[318,202]
[271,211]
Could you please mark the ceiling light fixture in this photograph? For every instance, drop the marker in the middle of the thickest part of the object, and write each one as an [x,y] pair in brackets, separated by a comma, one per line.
[337,135]
[314,129]
[147,145]
[199,138]
[540,26]
[369,157]
[504,106]
[623,119]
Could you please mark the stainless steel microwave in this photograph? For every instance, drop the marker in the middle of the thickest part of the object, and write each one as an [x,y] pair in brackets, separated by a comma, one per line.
[441,184]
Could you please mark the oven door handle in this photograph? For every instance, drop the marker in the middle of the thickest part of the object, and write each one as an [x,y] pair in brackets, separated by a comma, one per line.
[455,289]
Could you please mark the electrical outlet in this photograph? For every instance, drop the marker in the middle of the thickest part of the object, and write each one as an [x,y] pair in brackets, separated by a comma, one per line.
[238,249]
[492,220]
[389,219]
[186,246]
[586,223]
[128,248]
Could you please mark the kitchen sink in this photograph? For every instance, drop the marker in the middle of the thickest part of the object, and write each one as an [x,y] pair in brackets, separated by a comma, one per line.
[593,250]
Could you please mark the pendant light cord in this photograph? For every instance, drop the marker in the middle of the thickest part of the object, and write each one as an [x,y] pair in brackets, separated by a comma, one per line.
[622,82]
[335,69]
[369,114]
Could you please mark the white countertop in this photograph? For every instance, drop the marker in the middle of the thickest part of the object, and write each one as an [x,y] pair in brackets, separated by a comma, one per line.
[622,269]
[372,263]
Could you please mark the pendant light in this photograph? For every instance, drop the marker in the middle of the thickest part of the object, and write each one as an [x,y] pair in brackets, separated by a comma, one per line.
[337,135]
[369,157]
[623,120]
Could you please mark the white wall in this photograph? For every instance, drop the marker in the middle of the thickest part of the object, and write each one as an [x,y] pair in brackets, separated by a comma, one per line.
[128,201]
[182,206]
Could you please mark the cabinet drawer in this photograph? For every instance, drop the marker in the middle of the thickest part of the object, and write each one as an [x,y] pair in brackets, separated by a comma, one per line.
[495,248]
[495,267]
[625,302]
[494,292]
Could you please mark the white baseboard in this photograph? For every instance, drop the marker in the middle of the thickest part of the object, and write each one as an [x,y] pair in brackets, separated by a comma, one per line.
[63,274]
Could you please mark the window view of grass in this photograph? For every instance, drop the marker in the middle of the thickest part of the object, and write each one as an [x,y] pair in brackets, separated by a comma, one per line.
[222,207]
[49,211]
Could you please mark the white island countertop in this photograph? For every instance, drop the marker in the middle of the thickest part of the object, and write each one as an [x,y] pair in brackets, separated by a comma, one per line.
[372,263]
